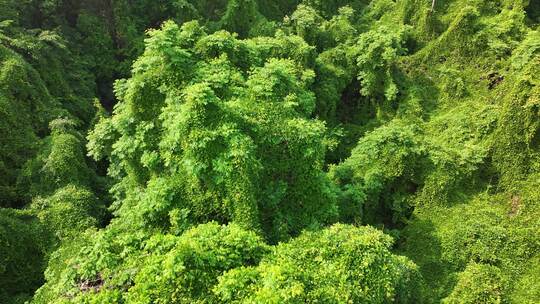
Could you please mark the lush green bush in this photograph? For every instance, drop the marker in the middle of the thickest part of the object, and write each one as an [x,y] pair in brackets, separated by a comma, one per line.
[161,269]
[341,264]
[69,211]
[23,108]
[478,284]
[192,263]
[378,51]
[40,82]
[61,161]
[527,286]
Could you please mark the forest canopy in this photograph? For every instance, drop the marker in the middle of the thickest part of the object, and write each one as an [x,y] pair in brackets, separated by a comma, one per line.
[259,151]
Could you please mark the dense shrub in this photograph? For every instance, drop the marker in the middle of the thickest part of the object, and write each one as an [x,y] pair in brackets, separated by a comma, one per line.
[69,211]
[164,269]
[341,264]
[478,284]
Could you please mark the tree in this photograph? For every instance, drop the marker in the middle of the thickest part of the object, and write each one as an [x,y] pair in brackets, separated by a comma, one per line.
[200,128]
[377,52]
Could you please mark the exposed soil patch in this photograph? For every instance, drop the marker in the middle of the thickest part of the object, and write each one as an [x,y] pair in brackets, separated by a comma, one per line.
[91,285]
[494,79]
[515,206]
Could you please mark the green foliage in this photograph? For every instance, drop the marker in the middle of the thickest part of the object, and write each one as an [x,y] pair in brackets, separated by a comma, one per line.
[69,211]
[41,80]
[241,16]
[61,161]
[380,173]
[458,152]
[164,269]
[330,8]
[23,108]
[97,50]
[483,237]
[37,85]
[193,263]
[305,22]
[200,146]
[516,148]
[272,120]
[478,284]
[341,264]
[481,232]
[378,51]
[22,248]
[334,66]
[527,287]
[334,73]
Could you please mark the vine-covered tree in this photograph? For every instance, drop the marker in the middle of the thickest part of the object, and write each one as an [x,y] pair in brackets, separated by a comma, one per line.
[218,128]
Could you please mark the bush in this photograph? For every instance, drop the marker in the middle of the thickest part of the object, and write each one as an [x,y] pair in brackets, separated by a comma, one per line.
[69,211]
[479,283]
[196,122]
[157,269]
[340,264]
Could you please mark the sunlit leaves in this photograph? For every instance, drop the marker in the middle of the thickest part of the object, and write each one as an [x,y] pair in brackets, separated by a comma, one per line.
[340,264]
[378,51]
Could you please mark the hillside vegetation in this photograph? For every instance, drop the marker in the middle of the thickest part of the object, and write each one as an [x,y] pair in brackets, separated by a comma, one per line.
[259,151]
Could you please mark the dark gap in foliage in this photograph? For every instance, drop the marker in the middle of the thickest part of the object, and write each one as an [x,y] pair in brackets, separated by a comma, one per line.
[535,140]
[106,94]
[350,101]
[355,115]
[486,176]
[348,122]
[494,79]
[533,11]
